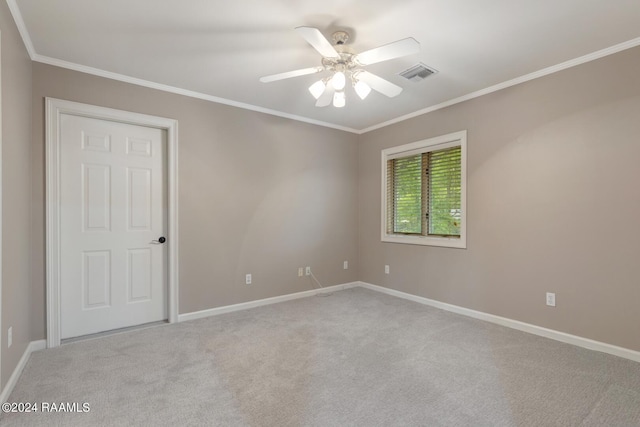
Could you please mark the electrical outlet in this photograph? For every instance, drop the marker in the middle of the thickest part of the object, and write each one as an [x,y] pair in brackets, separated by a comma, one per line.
[248,279]
[551,299]
[307,271]
[10,336]
[300,272]
[345,265]
[386,269]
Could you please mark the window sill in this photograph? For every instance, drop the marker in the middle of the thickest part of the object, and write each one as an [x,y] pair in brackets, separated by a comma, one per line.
[445,242]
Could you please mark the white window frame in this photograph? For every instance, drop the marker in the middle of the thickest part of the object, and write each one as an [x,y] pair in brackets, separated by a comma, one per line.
[438,143]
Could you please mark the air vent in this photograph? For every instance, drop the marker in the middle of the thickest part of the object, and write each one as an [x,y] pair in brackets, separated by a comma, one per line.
[417,73]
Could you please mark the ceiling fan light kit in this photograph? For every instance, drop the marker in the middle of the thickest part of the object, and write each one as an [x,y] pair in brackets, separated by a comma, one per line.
[339,99]
[338,80]
[346,66]
[362,89]
[317,88]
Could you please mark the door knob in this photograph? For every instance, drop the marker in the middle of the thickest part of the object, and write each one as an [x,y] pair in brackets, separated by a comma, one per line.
[159,241]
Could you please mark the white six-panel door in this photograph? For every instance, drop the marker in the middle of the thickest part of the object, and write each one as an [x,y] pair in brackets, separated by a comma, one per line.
[112,214]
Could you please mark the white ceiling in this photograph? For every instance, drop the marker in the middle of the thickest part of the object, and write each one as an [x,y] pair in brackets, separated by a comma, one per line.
[219,49]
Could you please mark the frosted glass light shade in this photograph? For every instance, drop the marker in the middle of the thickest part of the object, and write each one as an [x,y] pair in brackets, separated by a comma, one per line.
[362,89]
[339,80]
[339,100]
[317,89]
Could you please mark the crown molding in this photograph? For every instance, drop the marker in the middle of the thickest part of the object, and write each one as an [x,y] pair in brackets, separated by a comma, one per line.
[179,91]
[26,38]
[513,82]
[22,28]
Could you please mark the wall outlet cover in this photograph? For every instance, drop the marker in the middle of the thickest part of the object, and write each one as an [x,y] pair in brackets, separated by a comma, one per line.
[551,299]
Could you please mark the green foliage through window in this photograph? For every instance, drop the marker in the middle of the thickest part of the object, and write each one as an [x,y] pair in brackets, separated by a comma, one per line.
[407,195]
[424,193]
[445,189]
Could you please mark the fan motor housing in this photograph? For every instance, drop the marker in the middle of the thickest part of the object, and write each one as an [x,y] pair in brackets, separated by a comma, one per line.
[340,37]
[344,63]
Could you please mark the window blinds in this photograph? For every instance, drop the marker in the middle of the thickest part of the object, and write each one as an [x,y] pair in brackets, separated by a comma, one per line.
[444,191]
[407,195]
[424,193]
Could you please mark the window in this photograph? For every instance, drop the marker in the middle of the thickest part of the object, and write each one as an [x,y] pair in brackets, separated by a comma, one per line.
[424,192]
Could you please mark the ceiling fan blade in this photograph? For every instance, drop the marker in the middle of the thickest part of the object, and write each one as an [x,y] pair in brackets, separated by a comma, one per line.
[327,96]
[289,74]
[314,37]
[389,51]
[379,84]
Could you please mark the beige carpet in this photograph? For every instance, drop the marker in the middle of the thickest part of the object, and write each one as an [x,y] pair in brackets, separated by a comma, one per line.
[356,358]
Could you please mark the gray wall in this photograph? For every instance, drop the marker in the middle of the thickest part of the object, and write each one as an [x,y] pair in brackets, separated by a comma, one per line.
[553,204]
[257,194]
[551,197]
[16,193]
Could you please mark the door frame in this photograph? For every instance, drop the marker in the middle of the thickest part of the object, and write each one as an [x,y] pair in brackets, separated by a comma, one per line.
[1,223]
[55,108]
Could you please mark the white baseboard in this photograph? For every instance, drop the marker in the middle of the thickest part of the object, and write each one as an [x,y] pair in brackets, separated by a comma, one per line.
[257,303]
[8,388]
[510,323]
[514,324]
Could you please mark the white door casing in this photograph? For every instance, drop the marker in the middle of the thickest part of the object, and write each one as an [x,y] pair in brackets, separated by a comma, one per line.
[103,271]
[1,184]
[112,207]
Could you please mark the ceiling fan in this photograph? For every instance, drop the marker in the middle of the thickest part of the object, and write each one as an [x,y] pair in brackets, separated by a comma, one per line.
[345,65]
